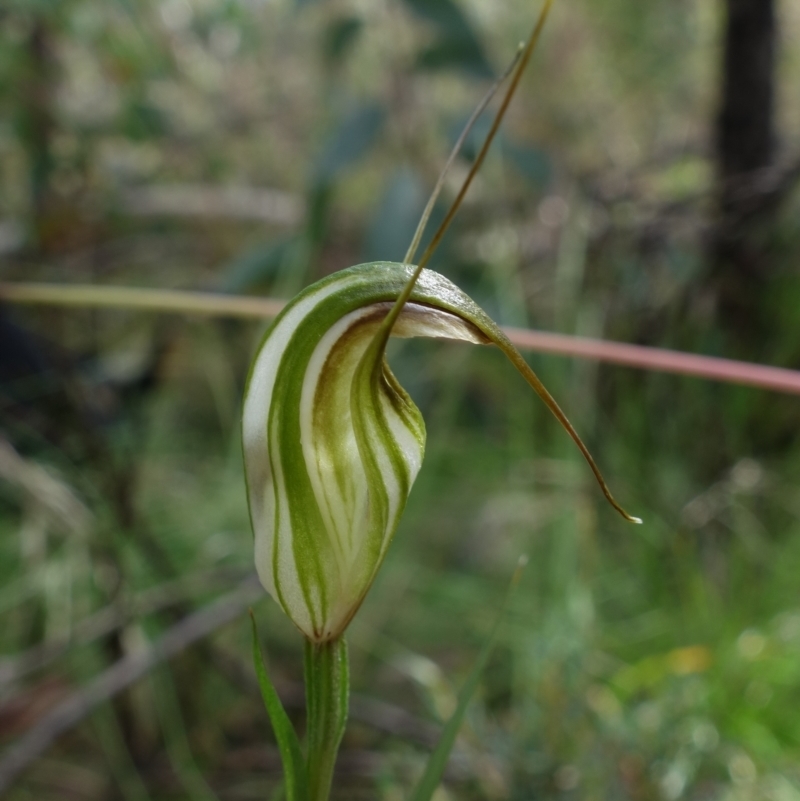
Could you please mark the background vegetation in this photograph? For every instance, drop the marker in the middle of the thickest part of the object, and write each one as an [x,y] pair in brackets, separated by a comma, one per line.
[251,146]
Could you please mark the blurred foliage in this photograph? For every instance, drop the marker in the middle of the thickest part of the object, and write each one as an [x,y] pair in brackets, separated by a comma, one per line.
[652,663]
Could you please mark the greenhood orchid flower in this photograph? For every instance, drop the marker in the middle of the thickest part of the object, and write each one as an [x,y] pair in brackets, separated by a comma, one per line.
[333,443]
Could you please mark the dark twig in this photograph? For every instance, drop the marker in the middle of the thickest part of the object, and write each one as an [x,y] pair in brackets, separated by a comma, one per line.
[121,675]
[113,617]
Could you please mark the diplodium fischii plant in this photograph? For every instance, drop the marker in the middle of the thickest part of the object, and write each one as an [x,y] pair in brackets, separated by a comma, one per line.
[332,445]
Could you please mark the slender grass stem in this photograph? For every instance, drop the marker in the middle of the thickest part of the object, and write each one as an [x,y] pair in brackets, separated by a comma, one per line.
[642,357]
[136,299]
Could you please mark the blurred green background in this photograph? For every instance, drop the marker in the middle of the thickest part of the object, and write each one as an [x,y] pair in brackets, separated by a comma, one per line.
[644,188]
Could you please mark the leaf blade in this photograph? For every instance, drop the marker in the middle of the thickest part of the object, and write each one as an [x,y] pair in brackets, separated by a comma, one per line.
[294,765]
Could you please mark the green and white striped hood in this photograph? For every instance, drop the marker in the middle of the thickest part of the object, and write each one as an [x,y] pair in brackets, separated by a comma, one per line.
[330,455]
[333,443]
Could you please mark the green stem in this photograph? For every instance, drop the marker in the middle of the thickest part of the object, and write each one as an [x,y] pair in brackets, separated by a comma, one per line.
[327,691]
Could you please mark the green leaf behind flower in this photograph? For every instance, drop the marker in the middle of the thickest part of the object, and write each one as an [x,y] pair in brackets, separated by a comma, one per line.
[294,765]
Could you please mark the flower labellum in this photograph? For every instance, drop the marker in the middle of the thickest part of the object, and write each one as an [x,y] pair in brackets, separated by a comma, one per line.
[333,443]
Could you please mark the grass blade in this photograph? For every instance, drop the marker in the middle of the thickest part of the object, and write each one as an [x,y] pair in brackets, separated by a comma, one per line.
[437,761]
[294,765]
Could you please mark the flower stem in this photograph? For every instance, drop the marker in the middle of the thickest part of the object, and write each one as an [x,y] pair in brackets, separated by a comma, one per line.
[327,691]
